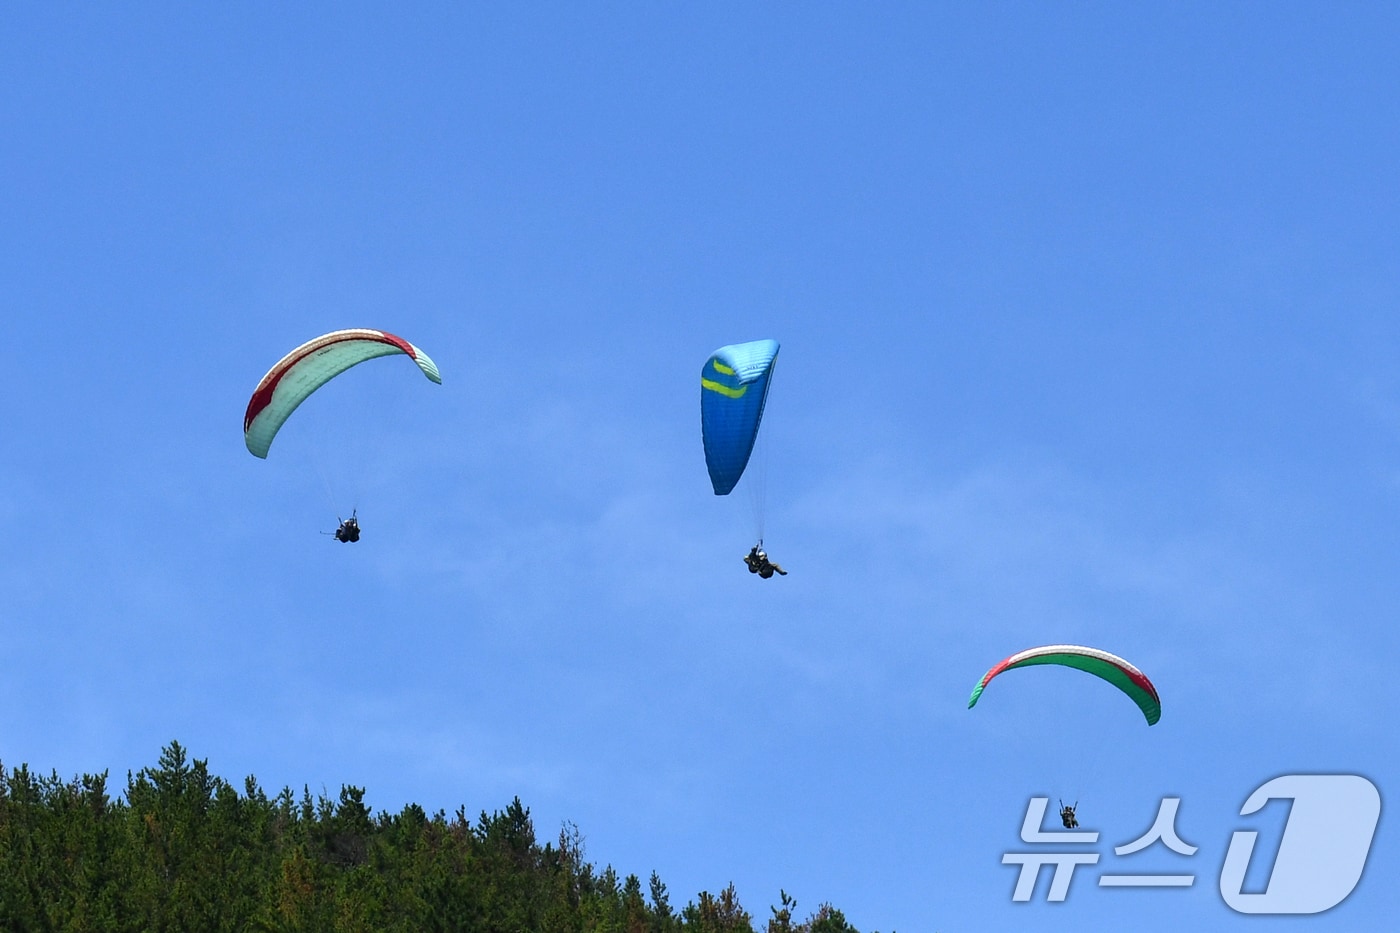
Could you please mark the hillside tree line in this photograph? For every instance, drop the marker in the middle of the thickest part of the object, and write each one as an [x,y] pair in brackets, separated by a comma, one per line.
[182,850]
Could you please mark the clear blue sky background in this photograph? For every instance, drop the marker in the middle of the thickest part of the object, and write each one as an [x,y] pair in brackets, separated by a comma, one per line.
[1089,333]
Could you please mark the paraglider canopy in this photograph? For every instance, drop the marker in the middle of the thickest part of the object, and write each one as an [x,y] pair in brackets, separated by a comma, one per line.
[310,366]
[733,389]
[1100,663]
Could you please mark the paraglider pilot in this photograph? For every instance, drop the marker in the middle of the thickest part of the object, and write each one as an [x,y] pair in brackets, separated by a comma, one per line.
[760,564]
[1067,815]
[349,530]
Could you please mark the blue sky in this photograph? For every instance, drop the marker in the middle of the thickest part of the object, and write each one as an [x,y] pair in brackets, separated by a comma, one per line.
[1089,335]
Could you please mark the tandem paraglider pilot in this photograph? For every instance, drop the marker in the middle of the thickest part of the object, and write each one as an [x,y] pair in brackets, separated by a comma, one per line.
[349,530]
[760,564]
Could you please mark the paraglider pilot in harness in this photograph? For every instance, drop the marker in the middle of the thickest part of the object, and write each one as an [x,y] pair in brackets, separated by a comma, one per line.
[1067,815]
[760,564]
[349,530]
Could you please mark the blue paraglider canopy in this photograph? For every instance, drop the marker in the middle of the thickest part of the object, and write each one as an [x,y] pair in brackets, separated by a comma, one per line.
[733,389]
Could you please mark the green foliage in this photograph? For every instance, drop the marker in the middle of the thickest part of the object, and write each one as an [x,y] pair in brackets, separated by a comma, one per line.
[718,914]
[184,850]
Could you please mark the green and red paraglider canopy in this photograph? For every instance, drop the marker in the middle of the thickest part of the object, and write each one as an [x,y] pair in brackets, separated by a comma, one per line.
[310,366]
[1110,667]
